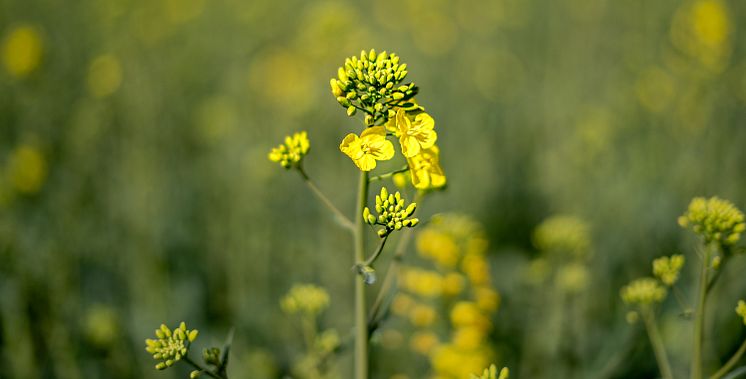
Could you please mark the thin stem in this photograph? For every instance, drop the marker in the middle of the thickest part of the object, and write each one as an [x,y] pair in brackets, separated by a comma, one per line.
[339,216]
[361,324]
[389,174]
[200,368]
[699,320]
[731,362]
[657,343]
[736,373]
[378,251]
[718,272]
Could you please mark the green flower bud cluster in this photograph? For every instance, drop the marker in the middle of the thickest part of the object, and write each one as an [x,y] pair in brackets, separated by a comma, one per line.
[644,291]
[741,310]
[372,83]
[307,299]
[492,373]
[170,346]
[211,356]
[715,220]
[667,268]
[393,213]
[563,234]
[292,151]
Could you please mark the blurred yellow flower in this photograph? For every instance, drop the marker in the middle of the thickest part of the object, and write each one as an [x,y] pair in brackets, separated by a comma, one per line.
[573,277]
[305,298]
[22,50]
[370,147]
[291,153]
[564,234]
[401,304]
[714,219]
[422,282]
[416,134]
[425,169]
[104,76]
[423,342]
[667,268]
[487,299]
[27,169]
[453,284]
[467,313]
[438,246]
[468,338]
[702,29]
[422,315]
[644,292]
[476,269]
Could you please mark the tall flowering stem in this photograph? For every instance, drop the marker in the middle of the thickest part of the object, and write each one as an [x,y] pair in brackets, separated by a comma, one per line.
[361,322]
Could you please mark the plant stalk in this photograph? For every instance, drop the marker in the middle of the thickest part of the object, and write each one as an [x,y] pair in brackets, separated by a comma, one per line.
[657,343]
[338,215]
[731,362]
[361,322]
[699,320]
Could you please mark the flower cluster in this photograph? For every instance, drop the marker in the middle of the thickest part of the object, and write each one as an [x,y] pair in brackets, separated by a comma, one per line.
[492,373]
[393,213]
[371,84]
[307,299]
[170,346]
[715,220]
[741,310]
[564,234]
[667,269]
[292,151]
[643,292]
[455,245]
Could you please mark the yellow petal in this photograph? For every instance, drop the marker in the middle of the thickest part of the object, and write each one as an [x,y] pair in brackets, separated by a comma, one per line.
[402,122]
[366,162]
[427,138]
[351,146]
[425,121]
[409,145]
[384,150]
[374,131]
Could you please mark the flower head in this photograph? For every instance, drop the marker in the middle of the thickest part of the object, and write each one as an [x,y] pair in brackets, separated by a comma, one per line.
[563,233]
[170,346]
[643,291]
[667,268]
[292,151]
[393,213]
[715,220]
[425,169]
[416,134]
[372,83]
[741,310]
[370,147]
[308,299]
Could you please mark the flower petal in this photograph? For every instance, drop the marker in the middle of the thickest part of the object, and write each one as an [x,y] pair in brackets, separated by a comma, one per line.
[427,138]
[409,145]
[425,121]
[366,162]
[402,122]
[351,145]
[384,150]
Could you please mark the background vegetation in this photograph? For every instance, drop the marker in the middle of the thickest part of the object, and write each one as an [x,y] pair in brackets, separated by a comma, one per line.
[135,188]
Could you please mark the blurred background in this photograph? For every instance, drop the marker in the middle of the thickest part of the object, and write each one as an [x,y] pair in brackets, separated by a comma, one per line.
[135,187]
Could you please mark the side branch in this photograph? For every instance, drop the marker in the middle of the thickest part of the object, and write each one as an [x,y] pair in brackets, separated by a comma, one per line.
[731,362]
[338,215]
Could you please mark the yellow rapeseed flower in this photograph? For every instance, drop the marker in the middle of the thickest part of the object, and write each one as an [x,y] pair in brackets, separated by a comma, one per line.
[22,50]
[306,298]
[741,310]
[370,147]
[27,169]
[469,337]
[667,268]
[292,151]
[714,219]
[467,313]
[422,315]
[423,342]
[644,292]
[415,135]
[425,169]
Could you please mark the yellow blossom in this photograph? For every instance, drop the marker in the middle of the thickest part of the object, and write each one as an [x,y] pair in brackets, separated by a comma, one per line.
[487,299]
[22,50]
[468,338]
[370,147]
[423,342]
[741,310]
[453,284]
[416,134]
[643,291]
[401,304]
[422,315]
[438,246]
[306,298]
[715,220]
[292,151]
[467,313]
[476,269]
[425,169]
[27,169]
[667,268]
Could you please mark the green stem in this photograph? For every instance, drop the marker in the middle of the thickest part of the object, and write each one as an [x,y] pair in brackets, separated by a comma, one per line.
[389,174]
[657,343]
[361,324]
[201,369]
[699,320]
[339,216]
[731,362]
[377,253]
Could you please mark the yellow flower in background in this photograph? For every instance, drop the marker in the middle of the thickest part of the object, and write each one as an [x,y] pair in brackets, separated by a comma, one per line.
[714,219]
[643,291]
[422,282]
[453,284]
[438,246]
[370,147]
[467,313]
[476,269]
[423,342]
[415,135]
[667,268]
[104,76]
[292,152]
[422,315]
[469,337]
[564,234]
[702,29]
[425,169]
[487,299]
[741,310]
[22,50]
[573,277]
[27,169]
[305,298]
[401,304]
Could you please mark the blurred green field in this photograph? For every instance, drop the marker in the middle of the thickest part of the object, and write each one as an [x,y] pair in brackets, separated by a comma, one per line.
[135,187]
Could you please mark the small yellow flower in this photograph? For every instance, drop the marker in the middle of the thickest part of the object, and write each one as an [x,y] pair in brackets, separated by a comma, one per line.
[741,310]
[292,151]
[370,147]
[643,291]
[305,298]
[715,220]
[423,342]
[667,268]
[415,135]
[170,345]
[425,169]
[422,315]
